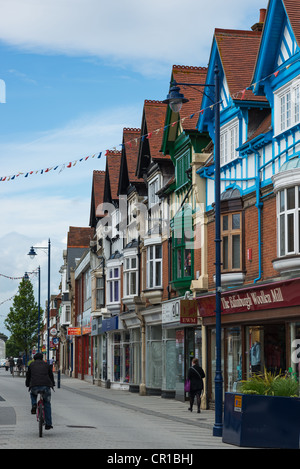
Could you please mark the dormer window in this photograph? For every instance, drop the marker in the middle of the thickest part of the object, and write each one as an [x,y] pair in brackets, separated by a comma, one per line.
[287,107]
[229,142]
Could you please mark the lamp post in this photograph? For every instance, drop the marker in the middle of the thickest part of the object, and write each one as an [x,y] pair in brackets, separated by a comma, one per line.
[175,100]
[32,255]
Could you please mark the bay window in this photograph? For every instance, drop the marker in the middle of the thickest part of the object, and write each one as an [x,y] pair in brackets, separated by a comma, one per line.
[288,219]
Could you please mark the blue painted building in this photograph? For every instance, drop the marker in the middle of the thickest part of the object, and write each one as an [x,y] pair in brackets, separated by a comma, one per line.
[260,194]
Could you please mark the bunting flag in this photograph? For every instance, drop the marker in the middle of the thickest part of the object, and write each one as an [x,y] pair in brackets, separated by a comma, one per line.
[71,164]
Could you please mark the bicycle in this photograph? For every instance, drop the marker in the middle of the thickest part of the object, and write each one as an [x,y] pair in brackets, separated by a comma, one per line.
[40,413]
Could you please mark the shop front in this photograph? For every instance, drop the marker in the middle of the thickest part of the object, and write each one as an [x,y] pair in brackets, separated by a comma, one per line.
[118,353]
[181,342]
[260,331]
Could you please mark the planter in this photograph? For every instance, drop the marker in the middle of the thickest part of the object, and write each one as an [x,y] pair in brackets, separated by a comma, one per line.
[261,421]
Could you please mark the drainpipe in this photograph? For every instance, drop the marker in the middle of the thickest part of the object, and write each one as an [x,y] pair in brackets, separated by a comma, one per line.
[259,205]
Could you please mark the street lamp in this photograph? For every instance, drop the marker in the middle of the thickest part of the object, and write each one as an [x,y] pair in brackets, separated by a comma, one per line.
[32,255]
[175,100]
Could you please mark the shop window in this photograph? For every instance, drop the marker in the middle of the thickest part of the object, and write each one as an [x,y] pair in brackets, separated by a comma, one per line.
[154,266]
[121,357]
[288,221]
[233,358]
[154,356]
[231,228]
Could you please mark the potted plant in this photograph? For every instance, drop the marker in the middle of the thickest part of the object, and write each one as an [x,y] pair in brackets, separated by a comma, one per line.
[264,414]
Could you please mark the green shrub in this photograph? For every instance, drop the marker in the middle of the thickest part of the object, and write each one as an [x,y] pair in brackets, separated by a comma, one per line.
[269,384]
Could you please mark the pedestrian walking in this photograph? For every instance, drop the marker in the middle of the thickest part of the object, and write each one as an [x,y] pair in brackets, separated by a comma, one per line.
[196,376]
[6,364]
[11,365]
[19,364]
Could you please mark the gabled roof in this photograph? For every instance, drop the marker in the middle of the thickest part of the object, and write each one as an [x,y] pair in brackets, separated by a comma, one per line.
[130,151]
[113,162]
[188,116]
[292,7]
[151,135]
[238,51]
[281,29]
[97,196]
[235,52]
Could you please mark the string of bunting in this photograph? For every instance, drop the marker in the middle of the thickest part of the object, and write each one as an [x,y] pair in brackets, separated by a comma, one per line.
[60,167]
[18,278]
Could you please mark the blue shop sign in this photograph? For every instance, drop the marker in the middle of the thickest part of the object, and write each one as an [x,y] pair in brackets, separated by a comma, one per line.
[110,324]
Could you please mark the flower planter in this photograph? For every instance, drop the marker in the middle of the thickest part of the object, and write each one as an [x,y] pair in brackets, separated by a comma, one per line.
[261,421]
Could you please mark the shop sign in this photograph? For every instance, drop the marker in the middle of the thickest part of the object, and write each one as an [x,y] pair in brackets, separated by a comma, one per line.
[188,311]
[171,311]
[74,330]
[275,295]
[110,324]
[86,330]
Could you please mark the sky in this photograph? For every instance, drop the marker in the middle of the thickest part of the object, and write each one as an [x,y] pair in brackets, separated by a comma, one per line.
[73,74]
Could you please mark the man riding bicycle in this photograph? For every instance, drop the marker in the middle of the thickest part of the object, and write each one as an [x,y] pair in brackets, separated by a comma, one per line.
[39,378]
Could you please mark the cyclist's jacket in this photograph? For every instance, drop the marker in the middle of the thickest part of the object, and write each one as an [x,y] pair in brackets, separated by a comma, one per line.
[39,374]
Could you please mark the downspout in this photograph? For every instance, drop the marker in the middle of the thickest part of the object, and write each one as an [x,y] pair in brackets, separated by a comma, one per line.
[259,205]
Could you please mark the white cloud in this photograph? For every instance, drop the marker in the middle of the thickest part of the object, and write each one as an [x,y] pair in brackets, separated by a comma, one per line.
[127,31]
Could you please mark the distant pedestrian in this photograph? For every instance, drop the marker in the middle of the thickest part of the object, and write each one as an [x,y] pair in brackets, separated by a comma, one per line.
[6,364]
[20,364]
[11,365]
[196,376]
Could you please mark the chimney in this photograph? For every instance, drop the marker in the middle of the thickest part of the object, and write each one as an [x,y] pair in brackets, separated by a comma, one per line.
[259,26]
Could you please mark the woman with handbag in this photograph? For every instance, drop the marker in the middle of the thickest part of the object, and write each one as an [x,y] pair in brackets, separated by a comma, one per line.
[195,375]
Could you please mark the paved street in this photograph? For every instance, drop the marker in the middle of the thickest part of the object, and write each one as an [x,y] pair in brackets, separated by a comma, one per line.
[89,417]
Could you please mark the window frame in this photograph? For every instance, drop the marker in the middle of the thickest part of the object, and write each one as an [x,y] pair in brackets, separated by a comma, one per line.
[113,285]
[154,263]
[284,214]
[229,141]
[130,271]
[182,222]
[229,234]
[287,112]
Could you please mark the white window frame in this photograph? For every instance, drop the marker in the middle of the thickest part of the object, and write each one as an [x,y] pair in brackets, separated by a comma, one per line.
[229,141]
[288,218]
[111,281]
[287,106]
[130,271]
[153,186]
[154,266]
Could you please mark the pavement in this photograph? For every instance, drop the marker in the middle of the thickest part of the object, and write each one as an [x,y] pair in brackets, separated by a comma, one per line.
[170,409]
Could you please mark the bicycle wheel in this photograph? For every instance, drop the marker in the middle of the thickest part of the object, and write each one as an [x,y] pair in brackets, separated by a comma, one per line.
[41,419]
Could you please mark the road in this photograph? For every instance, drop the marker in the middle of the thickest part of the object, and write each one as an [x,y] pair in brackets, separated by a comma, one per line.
[84,417]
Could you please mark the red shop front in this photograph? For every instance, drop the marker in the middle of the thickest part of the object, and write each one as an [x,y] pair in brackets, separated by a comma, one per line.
[260,330]
[84,355]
